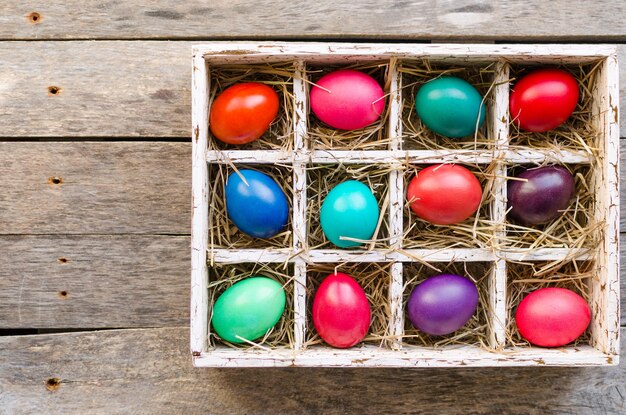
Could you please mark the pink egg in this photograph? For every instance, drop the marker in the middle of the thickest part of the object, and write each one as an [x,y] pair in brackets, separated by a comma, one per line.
[347,99]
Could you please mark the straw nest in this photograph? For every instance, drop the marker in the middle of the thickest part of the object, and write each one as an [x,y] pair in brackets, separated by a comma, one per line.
[416,136]
[475,232]
[222,231]
[373,137]
[476,331]
[524,278]
[322,178]
[578,131]
[575,228]
[375,280]
[223,276]
[277,75]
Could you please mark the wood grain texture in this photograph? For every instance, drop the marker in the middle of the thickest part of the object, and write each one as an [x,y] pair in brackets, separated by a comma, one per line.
[111,89]
[94,281]
[105,89]
[95,188]
[444,19]
[110,281]
[149,371]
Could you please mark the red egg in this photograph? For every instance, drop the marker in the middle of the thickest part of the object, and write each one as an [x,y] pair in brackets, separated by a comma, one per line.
[543,99]
[243,112]
[444,194]
[341,312]
[552,317]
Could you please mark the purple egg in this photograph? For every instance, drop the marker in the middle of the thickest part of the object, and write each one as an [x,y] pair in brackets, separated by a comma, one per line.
[442,304]
[542,198]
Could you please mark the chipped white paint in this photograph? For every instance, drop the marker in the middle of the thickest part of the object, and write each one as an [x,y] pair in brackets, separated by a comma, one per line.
[604,288]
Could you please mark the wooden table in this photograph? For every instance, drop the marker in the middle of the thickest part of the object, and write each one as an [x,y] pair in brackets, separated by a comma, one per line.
[95,209]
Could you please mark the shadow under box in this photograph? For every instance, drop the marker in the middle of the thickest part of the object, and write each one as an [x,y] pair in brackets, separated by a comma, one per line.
[578,131]
[279,76]
[373,137]
[374,278]
[222,231]
[524,278]
[415,135]
[575,228]
[477,231]
[476,331]
[322,178]
[223,276]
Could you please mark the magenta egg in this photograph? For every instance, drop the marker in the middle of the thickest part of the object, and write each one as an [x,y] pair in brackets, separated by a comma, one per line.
[347,99]
[442,304]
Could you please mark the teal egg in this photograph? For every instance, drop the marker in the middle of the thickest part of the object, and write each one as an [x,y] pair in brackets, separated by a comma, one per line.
[248,309]
[450,106]
[350,210]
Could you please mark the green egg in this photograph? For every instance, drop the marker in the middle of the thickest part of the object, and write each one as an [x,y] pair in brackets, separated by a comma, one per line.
[248,309]
[349,210]
[450,106]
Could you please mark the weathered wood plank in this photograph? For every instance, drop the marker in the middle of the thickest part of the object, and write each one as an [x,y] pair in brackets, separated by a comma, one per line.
[105,89]
[113,89]
[94,281]
[109,281]
[95,187]
[448,19]
[149,371]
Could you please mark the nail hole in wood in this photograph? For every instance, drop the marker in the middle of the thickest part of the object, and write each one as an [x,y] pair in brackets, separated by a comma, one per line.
[53,384]
[54,90]
[55,180]
[63,260]
[34,18]
[63,294]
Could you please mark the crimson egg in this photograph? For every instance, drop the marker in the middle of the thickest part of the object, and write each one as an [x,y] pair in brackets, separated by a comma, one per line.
[552,317]
[543,99]
[341,312]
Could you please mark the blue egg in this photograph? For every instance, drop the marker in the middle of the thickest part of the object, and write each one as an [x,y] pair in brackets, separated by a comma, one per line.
[258,208]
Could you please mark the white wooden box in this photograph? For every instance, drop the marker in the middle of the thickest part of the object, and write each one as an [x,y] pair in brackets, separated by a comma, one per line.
[602,259]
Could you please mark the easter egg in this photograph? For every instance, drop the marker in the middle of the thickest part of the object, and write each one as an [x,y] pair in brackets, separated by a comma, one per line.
[243,112]
[543,99]
[541,196]
[552,317]
[341,312]
[450,106]
[347,99]
[442,304]
[256,204]
[349,210]
[248,309]
[444,194]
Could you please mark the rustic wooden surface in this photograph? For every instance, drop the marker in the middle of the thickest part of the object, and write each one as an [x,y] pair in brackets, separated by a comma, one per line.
[95,209]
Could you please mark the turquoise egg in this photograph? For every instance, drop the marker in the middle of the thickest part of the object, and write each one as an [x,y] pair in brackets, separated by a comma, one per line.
[248,309]
[349,210]
[450,106]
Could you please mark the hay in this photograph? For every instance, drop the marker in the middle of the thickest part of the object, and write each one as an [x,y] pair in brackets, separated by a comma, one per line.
[375,280]
[475,232]
[524,278]
[476,331]
[322,178]
[277,75]
[373,137]
[578,132]
[222,231]
[223,276]
[576,228]
[416,136]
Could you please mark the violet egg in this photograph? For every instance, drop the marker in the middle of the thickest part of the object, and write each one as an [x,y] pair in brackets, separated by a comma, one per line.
[347,99]
[442,304]
[542,197]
